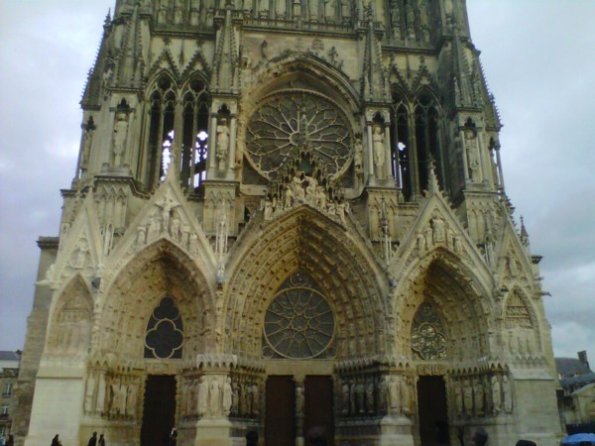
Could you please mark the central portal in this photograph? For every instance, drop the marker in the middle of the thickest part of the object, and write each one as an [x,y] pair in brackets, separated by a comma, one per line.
[281,422]
[159,409]
[433,418]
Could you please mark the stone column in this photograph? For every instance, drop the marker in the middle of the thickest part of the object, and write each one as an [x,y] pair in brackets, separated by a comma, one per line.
[211,154]
[231,159]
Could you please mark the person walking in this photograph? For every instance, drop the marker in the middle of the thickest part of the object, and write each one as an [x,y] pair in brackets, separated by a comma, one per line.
[93,440]
[56,441]
[101,441]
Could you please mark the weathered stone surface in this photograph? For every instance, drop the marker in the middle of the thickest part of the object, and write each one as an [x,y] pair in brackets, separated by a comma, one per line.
[288,189]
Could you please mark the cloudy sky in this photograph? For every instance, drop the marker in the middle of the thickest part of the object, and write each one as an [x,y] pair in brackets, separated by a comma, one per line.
[539,59]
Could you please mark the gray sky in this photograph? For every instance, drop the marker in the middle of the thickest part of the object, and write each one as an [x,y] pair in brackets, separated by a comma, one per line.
[539,59]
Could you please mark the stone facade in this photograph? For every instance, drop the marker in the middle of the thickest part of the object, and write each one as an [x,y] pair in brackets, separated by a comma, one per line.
[288,190]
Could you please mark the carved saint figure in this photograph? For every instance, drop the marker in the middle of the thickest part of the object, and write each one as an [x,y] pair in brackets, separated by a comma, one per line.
[345,397]
[370,396]
[496,395]
[378,149]
[358,158]
[299,399]
[203,393]
[227,396]
[222,144]
[472,155]
[120,132]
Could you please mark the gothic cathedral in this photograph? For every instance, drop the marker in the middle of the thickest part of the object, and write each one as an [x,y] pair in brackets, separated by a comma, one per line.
[288,219]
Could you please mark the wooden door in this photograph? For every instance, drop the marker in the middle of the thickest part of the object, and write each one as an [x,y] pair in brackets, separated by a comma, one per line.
[319,417]
[280,411]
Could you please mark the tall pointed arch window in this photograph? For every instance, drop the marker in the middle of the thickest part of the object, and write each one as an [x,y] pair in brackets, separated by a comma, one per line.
[164,337]
[161,129]
[426,136]
[401,152]
[196,103]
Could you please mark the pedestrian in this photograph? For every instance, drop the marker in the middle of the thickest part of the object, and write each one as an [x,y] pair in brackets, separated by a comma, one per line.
[10,440]
[252,438]
[56,441]
[93,440]
[525,443]
[480,437]
[173,437]
[101,441]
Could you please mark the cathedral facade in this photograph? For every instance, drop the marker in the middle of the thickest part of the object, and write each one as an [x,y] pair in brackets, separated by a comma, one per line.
[288,217]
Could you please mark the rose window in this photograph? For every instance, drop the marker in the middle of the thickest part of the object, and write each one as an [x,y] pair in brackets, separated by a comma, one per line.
[299,323]
[289,124]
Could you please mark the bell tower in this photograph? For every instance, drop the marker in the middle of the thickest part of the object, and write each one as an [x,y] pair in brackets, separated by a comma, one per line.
[288,219]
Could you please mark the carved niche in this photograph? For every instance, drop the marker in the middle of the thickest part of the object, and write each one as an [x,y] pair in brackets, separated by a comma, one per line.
[291,123]
[428,339]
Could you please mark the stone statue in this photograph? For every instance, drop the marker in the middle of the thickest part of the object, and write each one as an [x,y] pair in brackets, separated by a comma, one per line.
[254,400]
[214,395]
[120,132]
[299,399]
[297,188]
[203,394]
[472,155]
[345,400]
[379,151]
[370,396]
[478,396]
[311,187]
[358,159]
[438,232]
[222,149]
[507,394]
[394,389]
[468,397]
[360,396]
[227,402]
[496,395]
[458,398]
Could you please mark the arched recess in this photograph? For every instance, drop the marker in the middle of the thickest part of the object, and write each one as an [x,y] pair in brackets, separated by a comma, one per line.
[521,325]
[441,282]
[72,321]
[159,271]
[322,88]
[336,260]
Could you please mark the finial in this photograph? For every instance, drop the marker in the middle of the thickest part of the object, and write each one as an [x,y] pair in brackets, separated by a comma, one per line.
[433,185]
[524,234]
[108,18]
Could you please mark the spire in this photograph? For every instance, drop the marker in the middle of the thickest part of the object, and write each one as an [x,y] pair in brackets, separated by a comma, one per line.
[373,79]
[461,74]
[96,76]
[131,64]
[524,234]
[225,68]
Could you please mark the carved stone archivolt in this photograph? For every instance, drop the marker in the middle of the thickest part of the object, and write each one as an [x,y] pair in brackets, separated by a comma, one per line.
[291,123]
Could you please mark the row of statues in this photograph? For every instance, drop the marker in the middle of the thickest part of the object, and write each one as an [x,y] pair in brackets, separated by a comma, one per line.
[111,396]
[438,233]
[304,188]
[479,396]
[370,395]
[220,396]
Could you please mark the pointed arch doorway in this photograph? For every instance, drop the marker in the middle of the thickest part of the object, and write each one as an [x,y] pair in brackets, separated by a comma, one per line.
[159,409]
[432,411]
